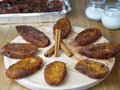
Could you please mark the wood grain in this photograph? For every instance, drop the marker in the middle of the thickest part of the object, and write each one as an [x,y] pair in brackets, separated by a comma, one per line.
[77,18]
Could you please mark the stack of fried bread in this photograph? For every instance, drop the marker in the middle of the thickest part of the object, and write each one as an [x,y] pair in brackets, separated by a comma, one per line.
[29,6]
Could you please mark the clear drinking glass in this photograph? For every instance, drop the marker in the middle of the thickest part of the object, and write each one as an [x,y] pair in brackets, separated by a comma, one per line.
[119,2]
[111,16]
[95,9]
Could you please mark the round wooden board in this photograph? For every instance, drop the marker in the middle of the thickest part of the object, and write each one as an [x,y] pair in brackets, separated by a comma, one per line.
[74,80]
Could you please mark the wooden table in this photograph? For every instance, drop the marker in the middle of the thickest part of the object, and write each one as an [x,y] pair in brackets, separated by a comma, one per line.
[78,18]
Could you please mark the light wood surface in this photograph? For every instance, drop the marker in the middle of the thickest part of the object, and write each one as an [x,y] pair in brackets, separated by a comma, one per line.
[77,18]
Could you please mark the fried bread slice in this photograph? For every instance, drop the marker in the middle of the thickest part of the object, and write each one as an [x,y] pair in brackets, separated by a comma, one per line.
[19,50]
[87,36]
[64,25]
[55,73]
[24,67]
[92,69]
[33,35]
[104,50]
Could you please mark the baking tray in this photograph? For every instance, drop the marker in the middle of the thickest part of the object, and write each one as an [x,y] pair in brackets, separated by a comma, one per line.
[36,17]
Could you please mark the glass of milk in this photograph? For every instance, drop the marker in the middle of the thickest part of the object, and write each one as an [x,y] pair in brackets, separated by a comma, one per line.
[111,16]
[95,9]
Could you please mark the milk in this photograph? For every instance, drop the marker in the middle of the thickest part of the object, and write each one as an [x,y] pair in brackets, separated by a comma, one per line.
[94,13]
[111,16]
[95,9]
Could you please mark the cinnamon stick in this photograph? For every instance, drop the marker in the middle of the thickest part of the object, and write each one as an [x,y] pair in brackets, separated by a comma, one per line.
[65,49]
[50,52]
[57,42]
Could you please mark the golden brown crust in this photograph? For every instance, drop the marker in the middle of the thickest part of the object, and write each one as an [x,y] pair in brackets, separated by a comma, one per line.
[55,72]
[24,67]
[92,69]
[101,50]
[33,35]
[87,36]
[64,25]
[19,50]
